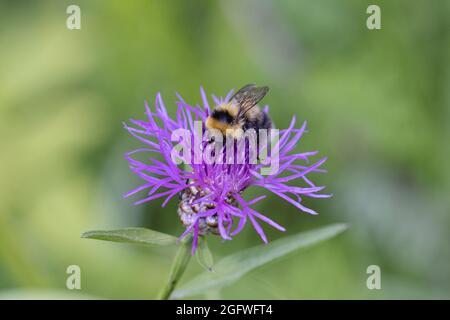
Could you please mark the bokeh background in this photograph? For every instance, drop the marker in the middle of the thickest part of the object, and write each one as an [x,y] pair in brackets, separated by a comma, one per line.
[377,104]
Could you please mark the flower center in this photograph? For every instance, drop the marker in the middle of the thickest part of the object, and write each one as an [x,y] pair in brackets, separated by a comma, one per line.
[191,206]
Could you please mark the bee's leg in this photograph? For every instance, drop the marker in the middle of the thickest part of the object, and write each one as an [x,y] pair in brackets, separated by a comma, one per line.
[180,194]
[212,139]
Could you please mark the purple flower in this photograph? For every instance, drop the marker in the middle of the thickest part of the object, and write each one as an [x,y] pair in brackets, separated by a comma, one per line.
[210,195]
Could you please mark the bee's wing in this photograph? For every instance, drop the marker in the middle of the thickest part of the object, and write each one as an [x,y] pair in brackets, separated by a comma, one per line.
[241,92]
[247,97]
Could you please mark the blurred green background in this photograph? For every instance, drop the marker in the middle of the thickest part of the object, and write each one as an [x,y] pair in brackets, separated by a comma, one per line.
[377,104]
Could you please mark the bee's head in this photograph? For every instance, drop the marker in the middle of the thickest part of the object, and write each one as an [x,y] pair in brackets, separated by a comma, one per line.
[223,117]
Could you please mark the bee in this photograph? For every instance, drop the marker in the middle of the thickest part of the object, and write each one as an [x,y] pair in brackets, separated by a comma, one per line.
[240,113]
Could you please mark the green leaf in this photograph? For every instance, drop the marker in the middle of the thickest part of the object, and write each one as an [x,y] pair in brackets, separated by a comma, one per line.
[203,255]
[132,235]
[179,265]
[233,267]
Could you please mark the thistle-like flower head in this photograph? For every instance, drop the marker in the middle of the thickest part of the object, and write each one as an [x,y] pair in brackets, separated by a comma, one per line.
[211,195]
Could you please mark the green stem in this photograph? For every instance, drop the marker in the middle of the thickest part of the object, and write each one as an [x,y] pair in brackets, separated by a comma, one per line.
[179,265]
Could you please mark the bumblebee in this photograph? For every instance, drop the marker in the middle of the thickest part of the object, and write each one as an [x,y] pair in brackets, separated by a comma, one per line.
[240,113]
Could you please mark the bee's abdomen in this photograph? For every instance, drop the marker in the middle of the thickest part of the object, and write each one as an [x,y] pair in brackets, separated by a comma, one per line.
[266,123]
[261,121]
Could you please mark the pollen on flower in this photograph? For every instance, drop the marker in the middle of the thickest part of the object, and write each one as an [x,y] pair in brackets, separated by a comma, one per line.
[211,195]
